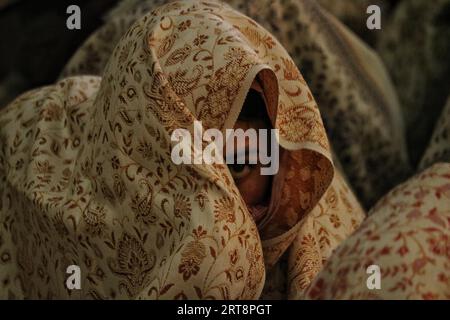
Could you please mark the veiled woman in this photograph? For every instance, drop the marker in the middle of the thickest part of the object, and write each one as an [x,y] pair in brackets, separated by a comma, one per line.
[88,180]
[357,100]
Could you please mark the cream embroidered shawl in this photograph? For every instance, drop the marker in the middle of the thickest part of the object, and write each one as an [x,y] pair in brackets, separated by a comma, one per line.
[87,178]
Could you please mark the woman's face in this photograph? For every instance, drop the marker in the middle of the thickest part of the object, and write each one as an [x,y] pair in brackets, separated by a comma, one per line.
[254,187]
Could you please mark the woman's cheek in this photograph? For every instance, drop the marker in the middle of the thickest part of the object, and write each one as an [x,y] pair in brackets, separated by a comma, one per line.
[253,188]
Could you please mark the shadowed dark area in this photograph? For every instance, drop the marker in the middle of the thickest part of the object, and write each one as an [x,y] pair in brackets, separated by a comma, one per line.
[36,43]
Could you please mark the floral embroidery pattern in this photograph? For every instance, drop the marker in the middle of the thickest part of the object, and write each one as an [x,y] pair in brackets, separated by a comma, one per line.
[407,236]
[106,196]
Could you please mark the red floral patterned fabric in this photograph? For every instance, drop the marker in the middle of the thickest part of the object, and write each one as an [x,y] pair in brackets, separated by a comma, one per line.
[407,236]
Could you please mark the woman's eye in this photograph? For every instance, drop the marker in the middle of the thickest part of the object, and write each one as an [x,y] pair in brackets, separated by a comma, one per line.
[239,171]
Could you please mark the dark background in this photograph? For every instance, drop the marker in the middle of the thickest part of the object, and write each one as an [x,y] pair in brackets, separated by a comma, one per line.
[35,42]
